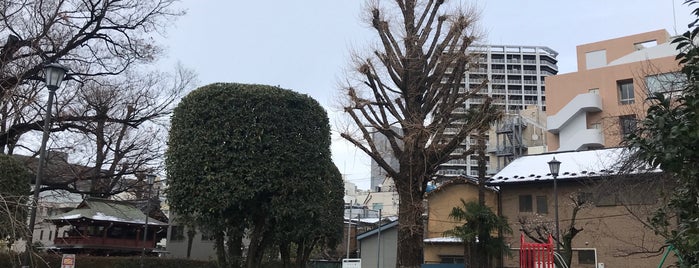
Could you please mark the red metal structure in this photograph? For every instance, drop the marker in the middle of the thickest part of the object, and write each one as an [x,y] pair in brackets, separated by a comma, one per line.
[535,255]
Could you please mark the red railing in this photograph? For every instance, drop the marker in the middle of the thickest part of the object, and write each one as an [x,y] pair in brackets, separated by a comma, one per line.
[535,255]
[92,241]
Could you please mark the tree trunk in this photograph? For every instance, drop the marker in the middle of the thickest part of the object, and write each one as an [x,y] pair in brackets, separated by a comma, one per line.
[220,249]
[410,224]
[190,239]
[285,253]
[257,243]
[235,247]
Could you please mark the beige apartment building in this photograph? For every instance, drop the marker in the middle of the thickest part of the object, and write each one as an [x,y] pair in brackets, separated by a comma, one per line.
[595,106]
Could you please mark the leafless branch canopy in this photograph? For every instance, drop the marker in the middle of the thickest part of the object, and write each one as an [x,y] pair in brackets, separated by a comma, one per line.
[112,123]
[410,86]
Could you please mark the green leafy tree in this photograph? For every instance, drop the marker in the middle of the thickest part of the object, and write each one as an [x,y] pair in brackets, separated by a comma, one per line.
[14,190]
[409,91]
[481,248]
[319,211]
[667,138]
[250,157]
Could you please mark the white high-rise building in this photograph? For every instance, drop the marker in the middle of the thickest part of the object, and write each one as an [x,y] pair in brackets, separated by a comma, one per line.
[516,77]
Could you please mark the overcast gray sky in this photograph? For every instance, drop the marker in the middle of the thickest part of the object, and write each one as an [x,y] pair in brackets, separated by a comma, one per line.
[305,45]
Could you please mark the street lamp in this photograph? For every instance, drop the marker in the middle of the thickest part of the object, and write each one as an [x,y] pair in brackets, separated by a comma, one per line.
[555,166]
[53,75]
[150,178]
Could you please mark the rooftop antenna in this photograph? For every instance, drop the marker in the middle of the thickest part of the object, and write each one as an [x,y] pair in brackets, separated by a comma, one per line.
[674,17]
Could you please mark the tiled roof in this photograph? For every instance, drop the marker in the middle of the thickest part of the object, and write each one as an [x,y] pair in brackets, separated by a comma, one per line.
[106,210]
[576,164]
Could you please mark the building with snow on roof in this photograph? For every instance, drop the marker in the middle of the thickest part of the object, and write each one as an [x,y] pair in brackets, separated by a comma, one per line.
[603,199]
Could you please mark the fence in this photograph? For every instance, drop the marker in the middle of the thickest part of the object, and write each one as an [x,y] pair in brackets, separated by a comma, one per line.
[535,255]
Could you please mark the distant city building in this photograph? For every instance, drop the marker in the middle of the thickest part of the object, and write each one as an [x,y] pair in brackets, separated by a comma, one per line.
[515,76]
[378,174]
[601,102]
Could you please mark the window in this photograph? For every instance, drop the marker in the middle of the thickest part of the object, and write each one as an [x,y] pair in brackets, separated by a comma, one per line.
[638,194]
[593,91]
[586,257]
[176,233]
[625,91]
[667,82]
[584,198]
[525,203]
[606,199]
[627,123]
[41,235]
[541,205]
[50,235]
[451,259]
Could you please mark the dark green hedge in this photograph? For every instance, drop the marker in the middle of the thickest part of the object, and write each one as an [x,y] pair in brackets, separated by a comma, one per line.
[53,261]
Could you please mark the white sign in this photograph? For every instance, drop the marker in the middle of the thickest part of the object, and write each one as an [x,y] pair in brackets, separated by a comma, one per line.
[351,263]
[68,261]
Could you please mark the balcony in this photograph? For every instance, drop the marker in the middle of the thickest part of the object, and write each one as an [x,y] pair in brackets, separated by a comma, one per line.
[581,140]
[583,103]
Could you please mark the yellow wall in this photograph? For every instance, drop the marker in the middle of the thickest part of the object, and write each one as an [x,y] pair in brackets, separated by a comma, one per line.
[439,204]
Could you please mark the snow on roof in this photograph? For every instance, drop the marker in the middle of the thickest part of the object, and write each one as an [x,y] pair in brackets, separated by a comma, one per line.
[448,239]
[106,210]
[576,164]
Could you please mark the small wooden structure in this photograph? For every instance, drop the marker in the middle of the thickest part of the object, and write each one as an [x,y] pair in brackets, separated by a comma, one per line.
[106,227]
[535,255]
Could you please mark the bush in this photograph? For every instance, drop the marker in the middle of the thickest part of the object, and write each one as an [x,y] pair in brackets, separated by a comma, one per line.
[54,260]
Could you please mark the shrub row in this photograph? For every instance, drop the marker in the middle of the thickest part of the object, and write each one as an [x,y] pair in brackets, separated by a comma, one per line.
[53,260]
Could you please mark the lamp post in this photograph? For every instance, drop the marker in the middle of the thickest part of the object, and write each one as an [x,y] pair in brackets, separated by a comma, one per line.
[349,228]
[554,166]
[53,75]
[150,178]
[378,206]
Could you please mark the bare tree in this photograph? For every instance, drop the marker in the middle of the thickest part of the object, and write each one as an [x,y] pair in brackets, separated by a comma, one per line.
[115,127]
[538,228]
[412,82]
[112,122]
[93,38]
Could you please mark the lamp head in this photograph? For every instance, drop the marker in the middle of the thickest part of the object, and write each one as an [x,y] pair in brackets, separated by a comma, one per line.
[554,166]
[150,178]
[54,74]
